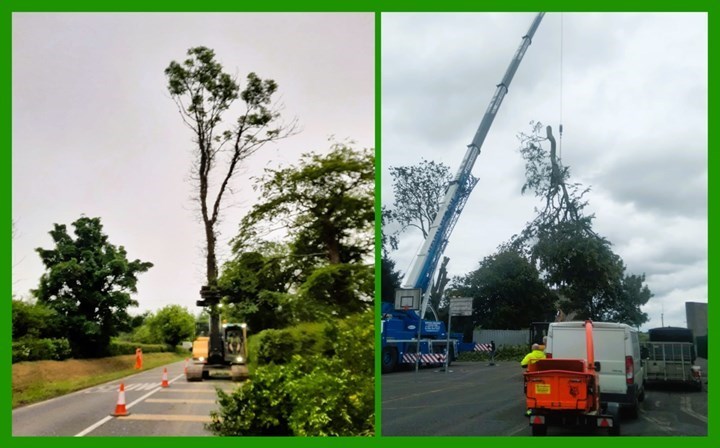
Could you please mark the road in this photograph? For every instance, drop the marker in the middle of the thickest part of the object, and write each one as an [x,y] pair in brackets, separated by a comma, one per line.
[475,399]
[178,410]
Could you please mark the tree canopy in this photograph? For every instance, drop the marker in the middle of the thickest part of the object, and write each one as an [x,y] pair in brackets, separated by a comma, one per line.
[88,282]
[320,267]
[574,260]
[418,191]
[507,292]
[172,324]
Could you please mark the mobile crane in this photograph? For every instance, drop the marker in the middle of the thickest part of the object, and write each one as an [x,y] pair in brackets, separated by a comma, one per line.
[406,336]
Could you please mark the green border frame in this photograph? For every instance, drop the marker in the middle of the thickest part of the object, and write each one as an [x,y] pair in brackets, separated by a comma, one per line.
[376,6]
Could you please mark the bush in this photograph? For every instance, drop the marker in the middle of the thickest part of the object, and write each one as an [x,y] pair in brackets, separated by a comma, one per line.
[128,348]
[39,349]
[278,346]
[326,388]
[503,353]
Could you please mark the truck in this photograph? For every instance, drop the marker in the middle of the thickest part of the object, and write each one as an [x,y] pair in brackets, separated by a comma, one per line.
[400,340]
[407,336]
[566,392]
[222,350]
[670,358]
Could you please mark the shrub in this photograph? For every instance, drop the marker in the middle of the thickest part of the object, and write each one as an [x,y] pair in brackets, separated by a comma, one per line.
[28,349]
[503,353]
[278,346]
[324,388]
[128,348]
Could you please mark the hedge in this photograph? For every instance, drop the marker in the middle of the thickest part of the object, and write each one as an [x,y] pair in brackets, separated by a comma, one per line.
[38,349]
[128,348]
[503,353]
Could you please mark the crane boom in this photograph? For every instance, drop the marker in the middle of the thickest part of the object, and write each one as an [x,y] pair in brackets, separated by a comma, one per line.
[423,269]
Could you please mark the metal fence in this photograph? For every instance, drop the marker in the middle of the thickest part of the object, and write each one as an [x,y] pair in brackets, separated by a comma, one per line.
[502,337]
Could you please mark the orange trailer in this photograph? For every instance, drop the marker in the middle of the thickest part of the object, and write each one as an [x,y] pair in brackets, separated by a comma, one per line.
[566,392]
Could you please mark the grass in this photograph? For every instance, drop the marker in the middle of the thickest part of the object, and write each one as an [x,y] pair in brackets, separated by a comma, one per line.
[41,380]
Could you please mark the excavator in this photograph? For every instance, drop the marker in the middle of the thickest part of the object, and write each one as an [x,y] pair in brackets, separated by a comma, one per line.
[223,351]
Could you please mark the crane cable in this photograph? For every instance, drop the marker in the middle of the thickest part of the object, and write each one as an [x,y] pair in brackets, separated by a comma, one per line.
[561,85]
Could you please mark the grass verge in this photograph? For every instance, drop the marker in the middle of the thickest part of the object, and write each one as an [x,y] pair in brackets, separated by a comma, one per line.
[41,380]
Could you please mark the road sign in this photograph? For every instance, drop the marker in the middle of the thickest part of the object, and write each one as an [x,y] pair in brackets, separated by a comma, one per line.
[461,306]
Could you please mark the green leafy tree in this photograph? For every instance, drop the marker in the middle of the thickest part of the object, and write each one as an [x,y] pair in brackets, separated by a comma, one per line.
[254,285]
[203,92]
[173,324]
[577,263]
[88,283]
[390,278]
[418,191]
[34,320]
[326,203]
[507,292]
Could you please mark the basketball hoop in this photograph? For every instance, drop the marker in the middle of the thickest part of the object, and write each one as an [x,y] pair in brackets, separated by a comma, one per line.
[405,308]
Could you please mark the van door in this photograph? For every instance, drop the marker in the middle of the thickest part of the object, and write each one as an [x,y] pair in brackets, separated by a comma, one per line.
[610,351]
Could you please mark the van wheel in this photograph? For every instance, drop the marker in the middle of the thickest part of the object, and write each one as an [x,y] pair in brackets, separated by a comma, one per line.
[614,410]
[641,397]
[633,410]
[539,430]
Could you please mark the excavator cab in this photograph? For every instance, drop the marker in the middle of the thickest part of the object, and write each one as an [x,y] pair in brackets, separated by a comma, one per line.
[233,360]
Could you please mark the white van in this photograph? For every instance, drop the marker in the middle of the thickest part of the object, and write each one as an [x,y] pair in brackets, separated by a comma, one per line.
[617,349]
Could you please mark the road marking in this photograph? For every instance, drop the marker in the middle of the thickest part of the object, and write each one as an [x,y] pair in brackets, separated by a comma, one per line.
[686,407]
[172,417]
[108,418]
[179,400]
[93,427]
[665,426]
[199,391]
[518,429]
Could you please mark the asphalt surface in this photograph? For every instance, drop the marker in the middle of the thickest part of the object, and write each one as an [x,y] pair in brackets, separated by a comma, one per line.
[181,409]
[474,399]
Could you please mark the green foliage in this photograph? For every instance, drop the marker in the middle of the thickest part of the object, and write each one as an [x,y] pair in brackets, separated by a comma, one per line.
[576,262]
[29,349]
[505,352]
[117,347]
[34,320]
[88,283]
[255,285]
[326,202]
[202,92]
[146,335]
[507,292]
[338,290]
[172,324]
[278,346]
[390,278]
[321,394]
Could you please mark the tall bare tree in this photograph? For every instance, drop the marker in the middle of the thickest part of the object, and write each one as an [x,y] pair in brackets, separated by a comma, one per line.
[203,92]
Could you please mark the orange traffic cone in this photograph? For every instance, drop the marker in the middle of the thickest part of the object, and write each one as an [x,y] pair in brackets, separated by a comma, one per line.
[120,410]
[164,378]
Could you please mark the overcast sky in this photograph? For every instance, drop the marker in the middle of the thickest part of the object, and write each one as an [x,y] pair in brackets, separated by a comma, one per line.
[634,113]
[96,133]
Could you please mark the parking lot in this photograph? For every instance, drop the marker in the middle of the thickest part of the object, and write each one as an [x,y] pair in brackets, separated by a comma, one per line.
[474,399]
